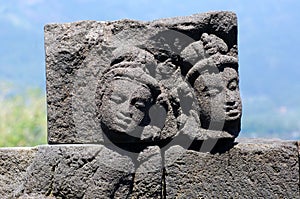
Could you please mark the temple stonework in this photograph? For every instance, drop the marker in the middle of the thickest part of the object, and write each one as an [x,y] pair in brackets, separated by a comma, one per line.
[147,110]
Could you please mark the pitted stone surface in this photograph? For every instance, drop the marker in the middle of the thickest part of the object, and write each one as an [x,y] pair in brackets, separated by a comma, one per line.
[92,171]
[78,172]
[149,174]
[143,82]
[252,169]
[13,165]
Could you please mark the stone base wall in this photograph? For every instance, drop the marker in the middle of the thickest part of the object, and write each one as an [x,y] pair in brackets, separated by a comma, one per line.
[250,169]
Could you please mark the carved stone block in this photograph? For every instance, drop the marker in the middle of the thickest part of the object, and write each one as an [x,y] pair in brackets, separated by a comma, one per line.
[126,81]
[91,171]
[251,169]
[13,166]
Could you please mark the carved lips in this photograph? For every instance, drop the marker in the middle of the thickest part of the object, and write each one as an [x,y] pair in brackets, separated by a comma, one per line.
[232,112]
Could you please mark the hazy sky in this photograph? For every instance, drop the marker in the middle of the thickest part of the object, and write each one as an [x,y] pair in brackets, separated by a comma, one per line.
[268,31]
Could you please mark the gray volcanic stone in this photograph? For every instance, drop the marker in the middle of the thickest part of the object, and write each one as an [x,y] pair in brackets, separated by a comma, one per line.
[252,169]
[143,82]
[92,171]
[13,165]
[149,174]
[78,172]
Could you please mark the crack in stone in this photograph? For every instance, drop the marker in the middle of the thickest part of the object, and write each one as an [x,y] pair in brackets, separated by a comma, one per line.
[163,180]
[163,184]
[53,169]
[89,160]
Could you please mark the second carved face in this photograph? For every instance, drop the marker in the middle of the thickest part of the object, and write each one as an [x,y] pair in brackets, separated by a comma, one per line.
[218,96]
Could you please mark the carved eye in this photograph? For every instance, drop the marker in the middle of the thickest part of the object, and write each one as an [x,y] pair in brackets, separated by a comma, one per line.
[140,104]
[233,84]
[212,91]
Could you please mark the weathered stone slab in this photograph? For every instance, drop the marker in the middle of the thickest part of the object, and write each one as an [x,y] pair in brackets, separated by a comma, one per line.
[252,169]
[149,174]
[13,165]
[91,171]
[78,172]
[143,82]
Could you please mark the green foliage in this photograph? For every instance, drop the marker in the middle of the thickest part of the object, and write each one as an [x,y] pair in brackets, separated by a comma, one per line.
[22,117]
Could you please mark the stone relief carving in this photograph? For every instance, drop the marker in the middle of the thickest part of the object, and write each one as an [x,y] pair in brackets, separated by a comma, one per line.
[131,105]
[149,97]
[139,94]
[145,88]
[145,83]
[214,79]
[216,85]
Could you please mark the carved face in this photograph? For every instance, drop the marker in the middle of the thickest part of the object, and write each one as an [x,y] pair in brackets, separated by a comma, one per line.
[126,106]
[218,96]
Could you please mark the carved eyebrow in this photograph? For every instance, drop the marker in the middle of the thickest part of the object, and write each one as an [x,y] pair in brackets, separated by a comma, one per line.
[137,96]
[212,87]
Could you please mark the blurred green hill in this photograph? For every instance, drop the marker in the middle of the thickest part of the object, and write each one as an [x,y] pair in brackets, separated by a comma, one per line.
[22,116]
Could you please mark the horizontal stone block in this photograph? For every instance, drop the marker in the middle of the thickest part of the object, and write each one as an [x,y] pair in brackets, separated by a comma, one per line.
[89,171]
[251,169]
